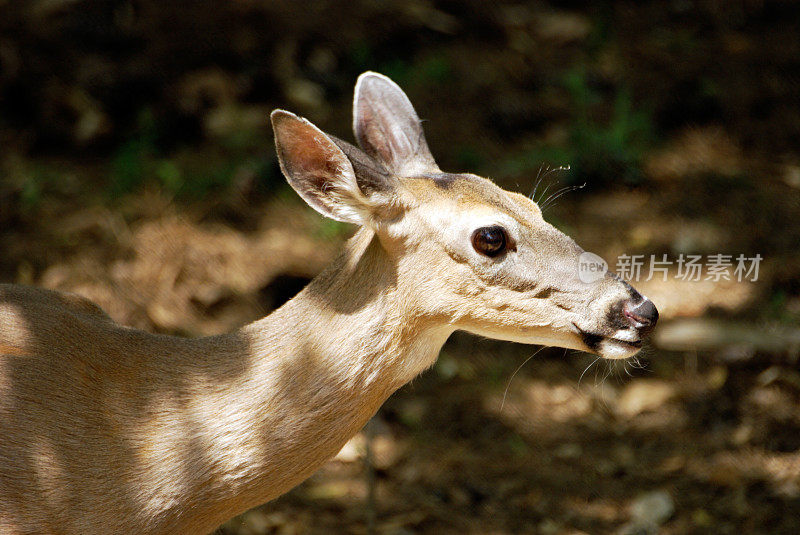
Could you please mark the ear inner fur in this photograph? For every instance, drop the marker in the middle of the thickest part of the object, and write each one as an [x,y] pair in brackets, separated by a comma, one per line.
[317,169]
[388,128]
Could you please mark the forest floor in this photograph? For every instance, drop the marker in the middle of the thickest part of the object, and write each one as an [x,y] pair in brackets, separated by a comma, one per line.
[680,441]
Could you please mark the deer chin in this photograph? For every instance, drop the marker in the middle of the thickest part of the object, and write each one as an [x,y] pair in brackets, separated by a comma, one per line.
[622,344]
[614,349]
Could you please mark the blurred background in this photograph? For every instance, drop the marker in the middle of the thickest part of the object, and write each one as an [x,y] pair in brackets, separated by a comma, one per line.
[137,168]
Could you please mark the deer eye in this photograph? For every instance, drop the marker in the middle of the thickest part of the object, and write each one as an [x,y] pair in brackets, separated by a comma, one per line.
[490,241]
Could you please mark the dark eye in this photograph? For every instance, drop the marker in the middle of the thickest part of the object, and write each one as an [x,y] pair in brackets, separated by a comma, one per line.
[490,241]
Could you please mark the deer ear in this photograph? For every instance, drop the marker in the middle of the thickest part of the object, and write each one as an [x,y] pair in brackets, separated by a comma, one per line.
[318,170]
[387,127]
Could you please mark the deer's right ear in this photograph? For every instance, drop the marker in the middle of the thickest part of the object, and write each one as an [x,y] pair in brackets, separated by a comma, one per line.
[387,127]
[318,170]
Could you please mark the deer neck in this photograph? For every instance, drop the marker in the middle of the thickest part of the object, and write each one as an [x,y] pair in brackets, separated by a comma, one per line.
[317,369]
[355,320]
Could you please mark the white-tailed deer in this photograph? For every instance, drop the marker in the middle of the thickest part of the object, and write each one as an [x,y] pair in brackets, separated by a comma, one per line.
[108,429]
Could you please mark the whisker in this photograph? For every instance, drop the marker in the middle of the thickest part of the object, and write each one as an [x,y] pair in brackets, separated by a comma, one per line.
[538,181]
[587,369]
[557,192]
[502,404]
[603,401]
[596,370]
[618,373]
[544,191]
[638,364]
[609,371]
[540,177]
[556,169]
[563,191]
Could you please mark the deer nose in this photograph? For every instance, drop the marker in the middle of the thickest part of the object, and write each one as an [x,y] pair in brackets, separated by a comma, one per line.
[642,315]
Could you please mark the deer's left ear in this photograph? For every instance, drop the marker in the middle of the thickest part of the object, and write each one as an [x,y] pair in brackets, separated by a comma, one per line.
[333,177]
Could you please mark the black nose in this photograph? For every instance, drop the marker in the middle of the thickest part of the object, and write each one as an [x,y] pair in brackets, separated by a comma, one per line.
[643,315]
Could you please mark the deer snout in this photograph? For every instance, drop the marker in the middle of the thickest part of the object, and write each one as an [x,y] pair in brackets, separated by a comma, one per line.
[642,314]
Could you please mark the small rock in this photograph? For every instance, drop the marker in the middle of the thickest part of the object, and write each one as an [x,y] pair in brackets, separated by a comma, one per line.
[623,455]
[305,93]
[605,467]
[643,395]
[652,507]
[353,450]
[716,377]
[256,522]
[702,519]
[549,527]
[648,512]
[570,450]
[791,175]
[742,434]
[563,26]
[385,452]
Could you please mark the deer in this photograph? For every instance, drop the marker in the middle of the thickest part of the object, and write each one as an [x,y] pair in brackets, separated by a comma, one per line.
[109,429]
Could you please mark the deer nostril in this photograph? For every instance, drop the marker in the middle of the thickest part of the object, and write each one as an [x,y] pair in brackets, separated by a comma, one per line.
[643,315]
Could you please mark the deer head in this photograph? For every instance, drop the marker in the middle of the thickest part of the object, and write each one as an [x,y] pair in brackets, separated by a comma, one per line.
[470,255]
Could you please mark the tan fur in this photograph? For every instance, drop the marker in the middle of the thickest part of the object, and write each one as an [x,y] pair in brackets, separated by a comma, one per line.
[141,433]
[108,429]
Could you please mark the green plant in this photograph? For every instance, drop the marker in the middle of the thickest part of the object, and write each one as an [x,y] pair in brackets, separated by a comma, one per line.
[611,150]
[36,181]
[190,172]
[132,161]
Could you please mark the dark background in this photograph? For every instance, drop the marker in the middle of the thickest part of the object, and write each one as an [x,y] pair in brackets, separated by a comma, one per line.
[137,168]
